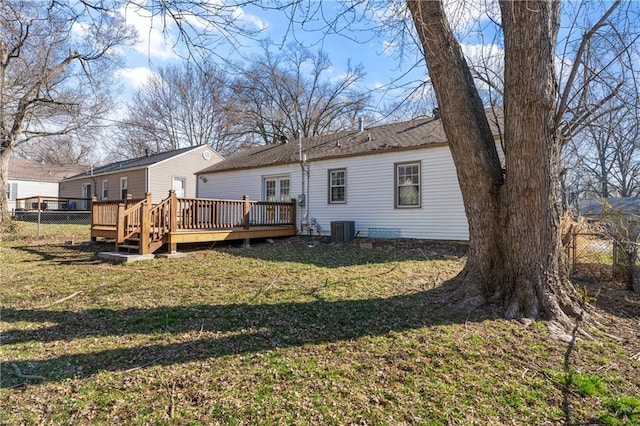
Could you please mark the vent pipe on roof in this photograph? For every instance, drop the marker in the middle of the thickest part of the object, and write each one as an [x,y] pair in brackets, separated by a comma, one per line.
[283,139]
[436,113]
[146,152]
[360,124]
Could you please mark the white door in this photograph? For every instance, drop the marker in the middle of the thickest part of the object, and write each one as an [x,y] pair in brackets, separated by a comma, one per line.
[277,189]
[179,185]
[86,193]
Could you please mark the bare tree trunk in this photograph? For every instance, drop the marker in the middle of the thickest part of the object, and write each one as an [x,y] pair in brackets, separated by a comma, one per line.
[474,153]
[515,253]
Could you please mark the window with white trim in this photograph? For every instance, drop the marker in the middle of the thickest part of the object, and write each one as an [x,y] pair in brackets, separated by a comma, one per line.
[277,189]
[407,186]
[12,191]
[337,186]
[124,185]
[105,189]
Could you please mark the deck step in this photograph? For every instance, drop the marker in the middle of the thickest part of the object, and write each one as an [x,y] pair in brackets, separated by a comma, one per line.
[128,246]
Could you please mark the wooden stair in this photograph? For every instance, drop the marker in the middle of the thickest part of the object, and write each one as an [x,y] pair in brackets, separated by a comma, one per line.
[132,244]
[137,227]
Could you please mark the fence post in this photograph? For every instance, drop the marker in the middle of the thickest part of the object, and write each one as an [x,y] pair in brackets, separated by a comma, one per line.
[574,247]
[38,225]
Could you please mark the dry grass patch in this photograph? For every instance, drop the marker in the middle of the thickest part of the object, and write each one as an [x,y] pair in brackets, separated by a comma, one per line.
[286,333]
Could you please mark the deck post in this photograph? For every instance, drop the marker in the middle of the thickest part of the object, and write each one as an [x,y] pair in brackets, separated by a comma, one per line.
[246,207]
[173,219]
[120,224]
[145,224]
[173,211]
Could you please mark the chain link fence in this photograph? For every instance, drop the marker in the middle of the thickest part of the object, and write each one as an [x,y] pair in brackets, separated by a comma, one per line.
[76,217]
[590,255]
[597,255]
[38,212]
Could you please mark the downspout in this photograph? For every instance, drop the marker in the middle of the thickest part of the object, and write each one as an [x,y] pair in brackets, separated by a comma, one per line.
[95,184]
[306,215]
[304,222]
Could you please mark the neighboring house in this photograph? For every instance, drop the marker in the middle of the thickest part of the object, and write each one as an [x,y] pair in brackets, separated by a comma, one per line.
[157,174]
[592,209]
[28,178]
[395,180]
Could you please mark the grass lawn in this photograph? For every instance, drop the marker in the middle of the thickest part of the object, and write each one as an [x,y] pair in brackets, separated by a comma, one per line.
[285,333]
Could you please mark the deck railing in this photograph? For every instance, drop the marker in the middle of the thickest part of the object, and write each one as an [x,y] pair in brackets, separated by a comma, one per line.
[105,213]
[130,220]
[45,203]
[160,220]
[201,213]
[133,219]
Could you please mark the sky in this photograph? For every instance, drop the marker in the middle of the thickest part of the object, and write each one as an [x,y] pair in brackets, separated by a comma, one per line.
[378,55]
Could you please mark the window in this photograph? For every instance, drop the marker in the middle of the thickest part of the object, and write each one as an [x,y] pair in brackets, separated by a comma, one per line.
[105,189]
[277,189]
[123,188]
[407,185]
[12,191]
[337,186]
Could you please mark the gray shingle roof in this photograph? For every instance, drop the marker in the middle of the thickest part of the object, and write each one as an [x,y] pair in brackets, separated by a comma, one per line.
[405,135]
[21,169]
[623,204]
[135,163]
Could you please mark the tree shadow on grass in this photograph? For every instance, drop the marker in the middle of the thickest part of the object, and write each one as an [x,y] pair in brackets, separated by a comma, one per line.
[207,331]
[361,251]
[64,254]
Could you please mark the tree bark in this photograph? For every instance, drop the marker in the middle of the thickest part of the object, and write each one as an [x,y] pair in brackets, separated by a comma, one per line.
[515,255]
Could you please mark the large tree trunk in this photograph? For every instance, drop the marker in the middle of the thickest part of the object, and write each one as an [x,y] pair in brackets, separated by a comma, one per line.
[515,255]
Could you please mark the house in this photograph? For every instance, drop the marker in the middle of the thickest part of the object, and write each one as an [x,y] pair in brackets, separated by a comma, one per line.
[28,178]
[593,209]
[393,180]
[156,173]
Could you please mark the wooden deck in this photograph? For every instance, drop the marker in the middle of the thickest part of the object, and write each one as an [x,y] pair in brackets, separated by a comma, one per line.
[137,225]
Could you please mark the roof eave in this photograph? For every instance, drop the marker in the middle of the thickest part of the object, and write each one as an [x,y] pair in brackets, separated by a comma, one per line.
[330,157]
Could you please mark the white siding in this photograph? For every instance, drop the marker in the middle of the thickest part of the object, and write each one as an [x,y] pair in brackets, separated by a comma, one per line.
[370,195]
[183,166]
[28,188]
[369,192]
[234,184]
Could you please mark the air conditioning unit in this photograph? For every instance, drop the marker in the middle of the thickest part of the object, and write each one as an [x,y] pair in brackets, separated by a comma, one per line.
[343,231]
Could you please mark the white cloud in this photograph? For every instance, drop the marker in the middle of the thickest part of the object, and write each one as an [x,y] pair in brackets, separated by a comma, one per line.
[134,77]
[155,36]
[464,15]
[257,22]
